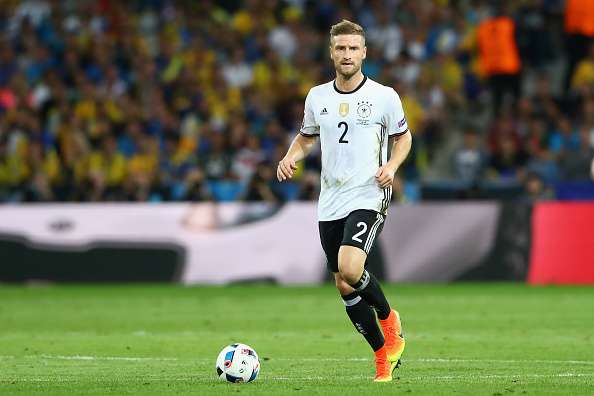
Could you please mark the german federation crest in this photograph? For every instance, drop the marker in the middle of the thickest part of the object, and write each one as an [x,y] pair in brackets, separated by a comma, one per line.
[364,109]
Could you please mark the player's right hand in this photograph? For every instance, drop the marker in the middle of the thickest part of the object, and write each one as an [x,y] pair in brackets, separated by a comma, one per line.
[285,169]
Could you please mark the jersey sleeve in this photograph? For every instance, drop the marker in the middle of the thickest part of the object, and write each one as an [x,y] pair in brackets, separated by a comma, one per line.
[395,119]
[309,126]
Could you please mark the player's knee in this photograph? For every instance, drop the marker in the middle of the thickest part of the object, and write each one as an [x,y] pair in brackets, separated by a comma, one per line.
[350,271]
[343,287]
[351,262]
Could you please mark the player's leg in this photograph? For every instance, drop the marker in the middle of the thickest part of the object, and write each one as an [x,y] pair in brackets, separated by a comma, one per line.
[358,310]
[361,229]
[360,314]
[363,318]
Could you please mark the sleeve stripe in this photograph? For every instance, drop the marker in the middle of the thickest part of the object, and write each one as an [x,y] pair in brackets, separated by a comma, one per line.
[309,134]
[397,133]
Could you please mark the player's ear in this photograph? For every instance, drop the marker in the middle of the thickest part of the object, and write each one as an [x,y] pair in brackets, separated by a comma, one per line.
[330,50]
[364,52]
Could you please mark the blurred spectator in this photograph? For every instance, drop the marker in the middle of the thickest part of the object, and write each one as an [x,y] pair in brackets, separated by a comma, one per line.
[217,161]
[261,186]
[283,37]
[39,189]
[575,165]
[579,33]
[540,159]
[248,157]
[499,57]
[535,190]
[535,41]
[563,139]
[469,160]
[195,188]
[508,160]
[544,103]
[237,72]
[385,35]
[583,77]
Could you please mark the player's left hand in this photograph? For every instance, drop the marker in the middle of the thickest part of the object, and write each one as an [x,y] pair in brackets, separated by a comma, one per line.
[385,176]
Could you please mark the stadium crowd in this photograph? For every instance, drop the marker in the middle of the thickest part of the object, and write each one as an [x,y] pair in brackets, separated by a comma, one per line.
[164,100]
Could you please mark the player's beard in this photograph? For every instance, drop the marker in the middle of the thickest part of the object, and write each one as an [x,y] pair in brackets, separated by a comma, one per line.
[347,75]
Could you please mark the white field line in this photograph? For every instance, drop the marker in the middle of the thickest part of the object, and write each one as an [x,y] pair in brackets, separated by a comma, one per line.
[442,377]
[122,358]
[501,376]
[301,359]
[445,360]
[307,378]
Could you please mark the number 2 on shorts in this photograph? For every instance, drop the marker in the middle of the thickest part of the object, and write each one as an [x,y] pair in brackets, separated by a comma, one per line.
[363,230]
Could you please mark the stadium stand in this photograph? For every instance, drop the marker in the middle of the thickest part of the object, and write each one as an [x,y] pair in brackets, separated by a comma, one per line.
[155,100]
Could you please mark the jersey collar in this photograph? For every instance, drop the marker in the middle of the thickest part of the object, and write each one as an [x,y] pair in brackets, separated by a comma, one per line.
[350,92]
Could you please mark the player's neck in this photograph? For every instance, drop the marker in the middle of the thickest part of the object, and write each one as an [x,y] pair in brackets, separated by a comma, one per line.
[348,85]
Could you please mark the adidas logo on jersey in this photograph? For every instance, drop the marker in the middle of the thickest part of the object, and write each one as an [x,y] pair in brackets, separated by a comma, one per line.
[324,111]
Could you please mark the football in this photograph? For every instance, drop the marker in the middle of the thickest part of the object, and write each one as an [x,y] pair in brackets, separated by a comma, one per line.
[238,363]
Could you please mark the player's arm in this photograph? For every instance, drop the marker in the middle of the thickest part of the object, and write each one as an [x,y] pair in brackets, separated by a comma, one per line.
[399,137]
[401,145]
[299,149]
[302,144]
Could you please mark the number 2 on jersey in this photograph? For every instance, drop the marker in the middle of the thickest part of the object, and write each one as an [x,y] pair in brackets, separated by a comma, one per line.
[346,128]
[357,235]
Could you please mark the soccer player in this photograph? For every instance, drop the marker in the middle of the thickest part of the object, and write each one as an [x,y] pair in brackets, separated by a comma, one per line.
[355,119]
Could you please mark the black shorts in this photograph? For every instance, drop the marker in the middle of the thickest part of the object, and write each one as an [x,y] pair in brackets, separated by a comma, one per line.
[360,229]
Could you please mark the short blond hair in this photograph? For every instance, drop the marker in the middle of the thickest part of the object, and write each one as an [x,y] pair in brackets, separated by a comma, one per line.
[346,27]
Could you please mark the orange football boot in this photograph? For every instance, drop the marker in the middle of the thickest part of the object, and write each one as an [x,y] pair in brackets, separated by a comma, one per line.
[394,342]
[383,369]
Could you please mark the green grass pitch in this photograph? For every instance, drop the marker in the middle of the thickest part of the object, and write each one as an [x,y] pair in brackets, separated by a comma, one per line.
[475,339]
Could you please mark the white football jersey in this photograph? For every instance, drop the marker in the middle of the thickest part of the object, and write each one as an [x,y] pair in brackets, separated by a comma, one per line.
[354,128]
